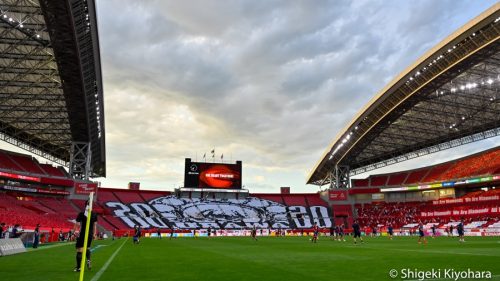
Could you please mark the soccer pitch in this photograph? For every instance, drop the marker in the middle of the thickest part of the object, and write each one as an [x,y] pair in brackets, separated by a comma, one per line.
[269,258]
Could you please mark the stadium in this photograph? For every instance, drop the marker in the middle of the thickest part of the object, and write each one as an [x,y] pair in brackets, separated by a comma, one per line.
[213,227]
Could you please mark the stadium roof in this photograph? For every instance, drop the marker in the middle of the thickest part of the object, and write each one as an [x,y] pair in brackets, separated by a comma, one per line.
[448,97]
[50,79]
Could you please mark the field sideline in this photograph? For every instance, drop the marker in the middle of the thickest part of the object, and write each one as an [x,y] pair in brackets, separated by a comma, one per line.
[270,258]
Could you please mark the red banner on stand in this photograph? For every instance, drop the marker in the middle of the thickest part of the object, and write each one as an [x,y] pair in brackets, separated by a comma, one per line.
[337,195]
[462,212]
[85,187]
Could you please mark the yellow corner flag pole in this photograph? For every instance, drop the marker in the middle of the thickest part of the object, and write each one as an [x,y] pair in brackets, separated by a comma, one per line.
[85,240]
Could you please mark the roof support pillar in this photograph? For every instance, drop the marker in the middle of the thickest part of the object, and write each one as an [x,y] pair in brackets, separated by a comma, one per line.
[339,177]
[80,160]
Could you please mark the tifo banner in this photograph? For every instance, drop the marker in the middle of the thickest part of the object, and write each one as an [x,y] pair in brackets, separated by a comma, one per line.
[337,195]
[466,200]
[219,214]
[11,246]
[85,188]
[462,212]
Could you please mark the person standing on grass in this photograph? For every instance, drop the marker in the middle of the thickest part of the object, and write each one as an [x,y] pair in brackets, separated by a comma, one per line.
[158,231]
[209,232]
[137,234]
[2,225]
[81,221]
[356,231]
[461,230]
[341,233]
[451,231]
[254,233]
[390,231]
[433,228]
[36,240]
[421,234]
[374,231]
[61,235]
[171,233]
[315,233]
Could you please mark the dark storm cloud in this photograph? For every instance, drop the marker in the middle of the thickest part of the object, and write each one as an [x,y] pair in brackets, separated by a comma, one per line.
[271,82]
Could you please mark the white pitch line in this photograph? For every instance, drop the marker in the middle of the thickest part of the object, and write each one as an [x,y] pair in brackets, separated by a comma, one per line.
[100,272]
[49,247]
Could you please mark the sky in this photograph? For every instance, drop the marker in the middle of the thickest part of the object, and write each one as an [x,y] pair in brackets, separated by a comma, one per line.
[270,83]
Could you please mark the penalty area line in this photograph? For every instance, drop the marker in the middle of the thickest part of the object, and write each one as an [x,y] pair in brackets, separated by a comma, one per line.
[105,266]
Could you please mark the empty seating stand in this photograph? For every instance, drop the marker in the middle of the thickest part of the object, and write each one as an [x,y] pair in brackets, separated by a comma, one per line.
[416,176]
[52,171]
[273,197]
[360,182]
[15,162]
[294,199]
[397,179]
[30,213]
[7,163]
[27,163]
[315,200]
[436,172]
[128,196]
[378,180]
[150,195]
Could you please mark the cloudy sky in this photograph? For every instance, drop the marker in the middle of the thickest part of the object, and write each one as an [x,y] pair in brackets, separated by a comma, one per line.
[267,82]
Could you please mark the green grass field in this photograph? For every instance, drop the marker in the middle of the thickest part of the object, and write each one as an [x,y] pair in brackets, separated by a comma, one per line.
[270,258]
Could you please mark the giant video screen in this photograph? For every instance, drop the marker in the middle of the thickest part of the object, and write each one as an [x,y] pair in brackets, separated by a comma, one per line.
[212,175]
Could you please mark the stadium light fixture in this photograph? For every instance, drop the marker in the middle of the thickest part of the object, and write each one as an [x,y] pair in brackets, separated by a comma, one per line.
[489,81]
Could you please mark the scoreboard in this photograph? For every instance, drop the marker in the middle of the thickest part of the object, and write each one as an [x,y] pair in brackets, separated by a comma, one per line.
[212,175]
